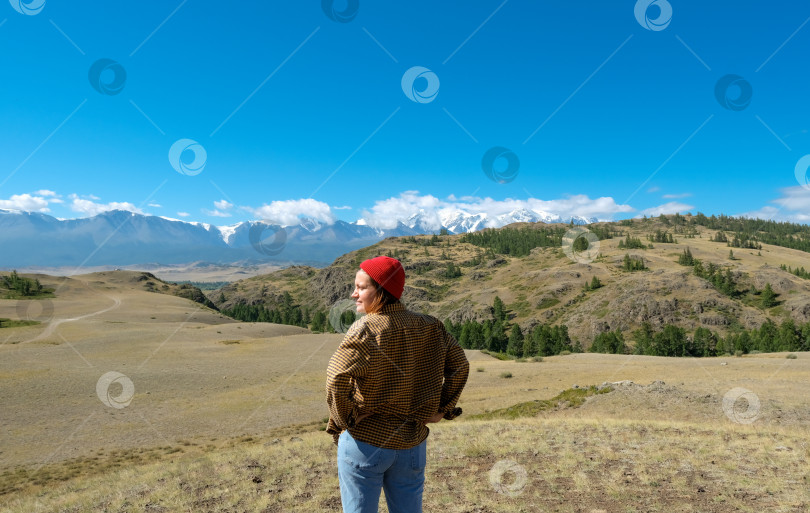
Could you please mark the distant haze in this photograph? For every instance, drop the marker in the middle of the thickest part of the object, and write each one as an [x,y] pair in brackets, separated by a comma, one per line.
[122,238]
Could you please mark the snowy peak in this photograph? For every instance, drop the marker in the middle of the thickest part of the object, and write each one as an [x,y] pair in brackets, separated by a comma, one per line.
[227,232]
[520,215]
[424,222]
[459,221]
[311,225]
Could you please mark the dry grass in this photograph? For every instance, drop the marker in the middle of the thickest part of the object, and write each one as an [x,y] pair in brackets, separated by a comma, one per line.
[779,382]
[539,464]
[190,379]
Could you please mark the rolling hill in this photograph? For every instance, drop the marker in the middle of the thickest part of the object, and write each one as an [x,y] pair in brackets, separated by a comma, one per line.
[543,285]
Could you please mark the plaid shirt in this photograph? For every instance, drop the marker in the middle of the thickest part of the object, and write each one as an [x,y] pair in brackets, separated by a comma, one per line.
[402,368]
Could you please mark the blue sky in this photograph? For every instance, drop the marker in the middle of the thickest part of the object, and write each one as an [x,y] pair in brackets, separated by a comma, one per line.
[609,115]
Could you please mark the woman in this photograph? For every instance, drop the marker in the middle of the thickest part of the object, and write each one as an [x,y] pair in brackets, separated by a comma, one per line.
[394,372]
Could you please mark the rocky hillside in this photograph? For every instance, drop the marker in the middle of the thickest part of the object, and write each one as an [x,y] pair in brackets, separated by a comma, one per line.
[450,278]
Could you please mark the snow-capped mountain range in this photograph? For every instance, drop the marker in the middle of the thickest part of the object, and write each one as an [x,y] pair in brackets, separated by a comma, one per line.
[125,238]
[455,220]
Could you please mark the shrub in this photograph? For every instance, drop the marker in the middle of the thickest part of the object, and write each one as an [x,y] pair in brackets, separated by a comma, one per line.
[499,356]
[506,375]
[565,353]
[738,353]
[479,369]
[791,356]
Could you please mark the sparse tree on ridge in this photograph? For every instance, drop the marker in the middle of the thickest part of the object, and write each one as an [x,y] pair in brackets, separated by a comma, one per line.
[686,258]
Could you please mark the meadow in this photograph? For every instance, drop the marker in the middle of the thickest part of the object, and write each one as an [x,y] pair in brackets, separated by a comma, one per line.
[212,415]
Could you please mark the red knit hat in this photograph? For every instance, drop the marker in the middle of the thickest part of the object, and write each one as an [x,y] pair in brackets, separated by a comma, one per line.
[386,271]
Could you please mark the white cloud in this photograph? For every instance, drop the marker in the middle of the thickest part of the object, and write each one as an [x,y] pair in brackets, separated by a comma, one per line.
[223,205]
[216,213]
[796,199]
[767,213]
[90,208]
[677,196]
[387,213]
[45,192]
[183,214]
[288,212]
[581,205]
[654,188]
[25,202]
[667,208]
[794,207]
[155,205]
[220,209]
[345,207]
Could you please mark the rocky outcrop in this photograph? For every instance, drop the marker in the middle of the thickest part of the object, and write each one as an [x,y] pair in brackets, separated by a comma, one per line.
[714,320]
[469,311]
[332,283]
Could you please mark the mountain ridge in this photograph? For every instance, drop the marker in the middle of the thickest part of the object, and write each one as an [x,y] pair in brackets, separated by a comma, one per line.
[120,237]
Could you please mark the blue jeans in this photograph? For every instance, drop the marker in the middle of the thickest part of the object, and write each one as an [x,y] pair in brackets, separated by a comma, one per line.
[364,470]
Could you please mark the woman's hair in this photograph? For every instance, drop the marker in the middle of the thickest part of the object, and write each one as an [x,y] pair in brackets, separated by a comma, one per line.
[381,297]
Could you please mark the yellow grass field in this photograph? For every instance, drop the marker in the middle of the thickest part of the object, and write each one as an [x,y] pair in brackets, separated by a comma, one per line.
[206,414]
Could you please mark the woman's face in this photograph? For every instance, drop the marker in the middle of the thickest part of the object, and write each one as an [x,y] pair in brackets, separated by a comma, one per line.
[364,291]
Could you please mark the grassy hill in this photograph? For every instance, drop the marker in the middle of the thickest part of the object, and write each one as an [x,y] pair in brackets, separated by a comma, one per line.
[453,278]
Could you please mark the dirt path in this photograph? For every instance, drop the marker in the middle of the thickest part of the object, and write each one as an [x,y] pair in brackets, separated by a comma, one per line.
[55,323]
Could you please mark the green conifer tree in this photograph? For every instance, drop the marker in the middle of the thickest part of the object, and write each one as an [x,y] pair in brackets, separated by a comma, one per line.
[515,347]
[768,296]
